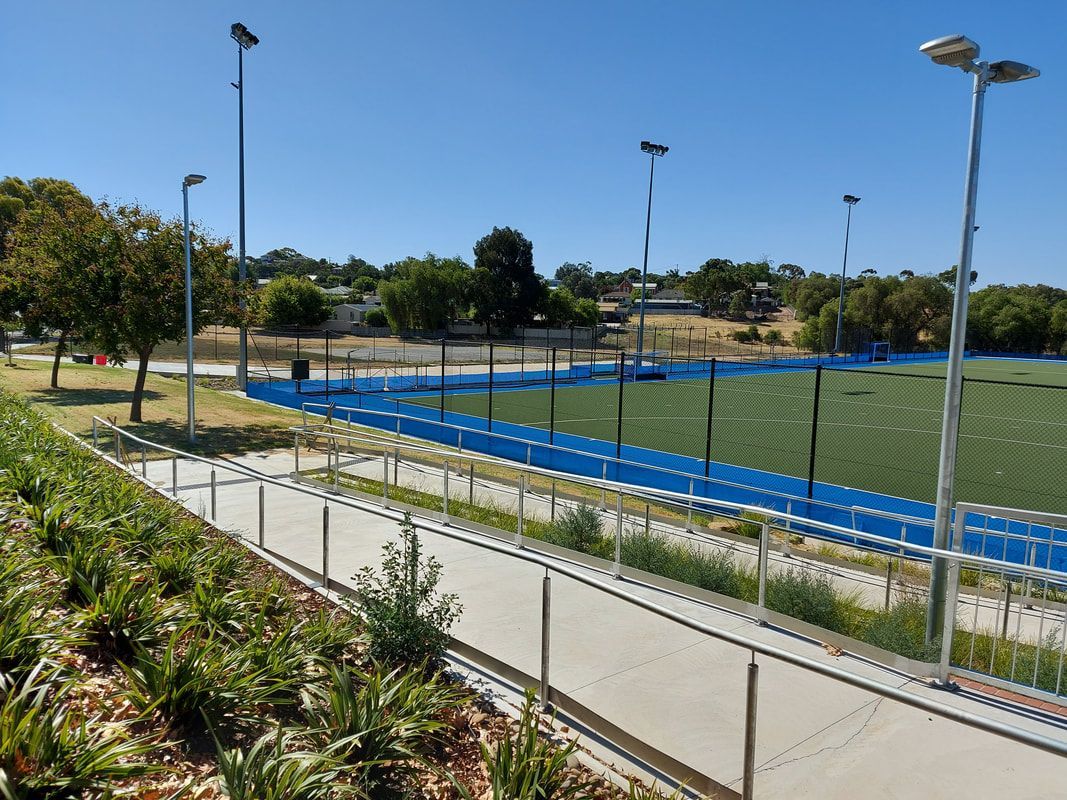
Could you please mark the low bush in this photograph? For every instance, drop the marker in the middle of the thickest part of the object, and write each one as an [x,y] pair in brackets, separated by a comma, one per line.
[382,723]
[407,621]
[749,525]
[128,614]
[809,597]
[331,635]
[525,766]
[49,750]
[277,767]
[580,528]
[901,629]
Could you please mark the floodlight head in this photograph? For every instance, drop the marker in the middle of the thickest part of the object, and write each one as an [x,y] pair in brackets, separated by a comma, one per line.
[952,51]
[244,37]
[1011,71]
[654,149]
[851,199]
[193,180]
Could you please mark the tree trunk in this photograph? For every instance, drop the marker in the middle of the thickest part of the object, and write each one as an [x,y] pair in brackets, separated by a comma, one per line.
[138,386]
[59,354]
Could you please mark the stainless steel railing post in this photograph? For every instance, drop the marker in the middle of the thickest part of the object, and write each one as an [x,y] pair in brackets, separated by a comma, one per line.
[764,549]
[213,494]
[518,521]
[262,519]
[174,474]
[546,631]
[385,479]
[752,694]
[326,545]
[689,513]
[617,570]
[336,467]
[96,438]
[296,453]
[603,491]
[144,462]
[444,494]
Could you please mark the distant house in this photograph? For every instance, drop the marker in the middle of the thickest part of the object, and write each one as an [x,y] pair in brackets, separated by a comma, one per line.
[338,291]
[261,282]
[762,297]
[347,316]
[669,294]
[657,305]
[613,311]
[616,296]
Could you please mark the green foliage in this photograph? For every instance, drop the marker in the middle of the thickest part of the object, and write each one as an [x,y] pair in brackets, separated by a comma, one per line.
[1009,318]
[713,570]
[196,677]
[774,337]
[290,301]
[128,614]
[750,524]
[580,528]
[406,620]
[504,289]
[525,766]
[902,629]
[424,293]
[376,318]
[276,767]
[578,278]
[28,638]
[384,723]
[561,307]
[51,751]
[809,597]
[330,635]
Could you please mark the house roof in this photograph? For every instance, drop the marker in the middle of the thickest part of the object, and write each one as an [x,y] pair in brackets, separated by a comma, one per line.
[338,291]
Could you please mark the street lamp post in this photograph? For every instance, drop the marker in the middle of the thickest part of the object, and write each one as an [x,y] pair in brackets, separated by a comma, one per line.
[246,40]
[654,150]
[959,51]
[851,200]
[190,401]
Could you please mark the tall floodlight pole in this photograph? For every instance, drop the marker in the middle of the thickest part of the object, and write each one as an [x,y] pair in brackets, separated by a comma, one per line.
[851,200]
[190,401]
[654,151]
[959,51]
[246,40]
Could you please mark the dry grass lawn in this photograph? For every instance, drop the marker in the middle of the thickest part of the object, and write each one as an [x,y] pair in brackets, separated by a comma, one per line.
[226,424]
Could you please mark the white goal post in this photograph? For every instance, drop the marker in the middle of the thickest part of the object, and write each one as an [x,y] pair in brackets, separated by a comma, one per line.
[879,351]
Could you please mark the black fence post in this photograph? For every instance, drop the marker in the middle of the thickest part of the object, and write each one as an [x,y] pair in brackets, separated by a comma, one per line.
[522,360]
[490,386]
[814,431]
[327,365]
[711,404]
[443,357]
[622,382]
[672,343]
[552,401]
[689,345]
[705,343]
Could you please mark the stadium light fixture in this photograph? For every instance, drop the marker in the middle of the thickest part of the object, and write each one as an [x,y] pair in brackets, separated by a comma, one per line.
[959,51]
[246,40]
[653,150]
[190,401]
[851,200]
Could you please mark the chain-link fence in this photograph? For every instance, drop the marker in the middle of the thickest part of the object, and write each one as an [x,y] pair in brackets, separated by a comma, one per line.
[873,429]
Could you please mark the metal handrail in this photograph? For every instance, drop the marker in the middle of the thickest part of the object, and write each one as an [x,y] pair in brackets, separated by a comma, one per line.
[620,461]
[687,501]
[968,718]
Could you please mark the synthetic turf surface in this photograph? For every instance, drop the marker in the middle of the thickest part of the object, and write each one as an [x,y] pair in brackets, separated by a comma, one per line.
[878,428]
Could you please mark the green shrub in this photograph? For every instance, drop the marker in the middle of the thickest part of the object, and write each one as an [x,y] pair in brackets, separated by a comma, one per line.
[274,769]
[406,620]
[129,613]
[85,568]
[50,751]
[226,612]
[580,528]
[28,636]
[382,723]
[713,570]
[807,596]
[197,677]
[902,630]
[648,551]
[330,635]
[750,525]
[375,318]
[524,766]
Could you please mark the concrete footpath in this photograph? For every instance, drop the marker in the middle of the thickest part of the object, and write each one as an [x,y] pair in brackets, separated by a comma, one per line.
[677,690]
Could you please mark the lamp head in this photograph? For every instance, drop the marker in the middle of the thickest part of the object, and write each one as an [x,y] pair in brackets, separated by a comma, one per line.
[244,37]
[851,199]
[1011,71]
[952,51]
[654,149]
[193,180]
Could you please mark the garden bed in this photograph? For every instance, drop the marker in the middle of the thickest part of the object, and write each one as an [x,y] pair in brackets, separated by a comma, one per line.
[145,654]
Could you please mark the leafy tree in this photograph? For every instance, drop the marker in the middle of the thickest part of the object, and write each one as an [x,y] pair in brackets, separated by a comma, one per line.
[505,290]
[425,292]
[1006,318]
[578,278]
[1057,329]
[715,283]
[563,308]
[738,304]
[57,241]
[812,293]
[774,337]
[375,318]
[289,300]
[587,313]
[139,294]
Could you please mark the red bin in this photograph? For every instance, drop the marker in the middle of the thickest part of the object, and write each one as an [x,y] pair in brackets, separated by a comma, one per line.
[100,360]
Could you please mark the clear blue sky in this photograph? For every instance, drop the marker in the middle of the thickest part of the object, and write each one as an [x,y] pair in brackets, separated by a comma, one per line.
[392,128]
